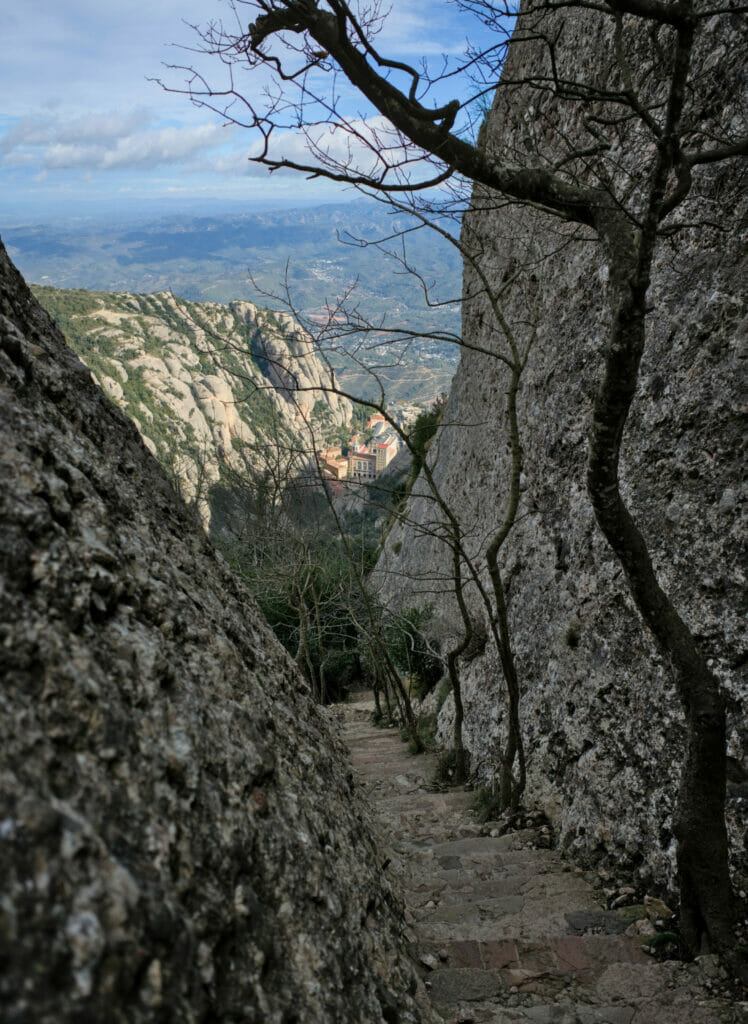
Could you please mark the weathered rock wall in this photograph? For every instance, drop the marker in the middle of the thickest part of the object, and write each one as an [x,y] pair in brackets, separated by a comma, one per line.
[603,725]
[179,836]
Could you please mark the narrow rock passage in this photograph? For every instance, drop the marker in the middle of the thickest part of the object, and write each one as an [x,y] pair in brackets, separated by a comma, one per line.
[506,932]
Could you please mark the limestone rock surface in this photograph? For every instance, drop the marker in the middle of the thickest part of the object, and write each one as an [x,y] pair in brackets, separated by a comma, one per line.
[603,725]
[179,835]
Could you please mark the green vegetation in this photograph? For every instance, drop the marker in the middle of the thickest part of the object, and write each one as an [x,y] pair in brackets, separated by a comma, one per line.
[448,767]
[661,941]
[427,726]
[280,536]
[486,804]
[75,313]
[420,436]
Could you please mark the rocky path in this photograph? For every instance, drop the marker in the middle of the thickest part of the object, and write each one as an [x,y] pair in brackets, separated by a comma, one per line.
[507,932]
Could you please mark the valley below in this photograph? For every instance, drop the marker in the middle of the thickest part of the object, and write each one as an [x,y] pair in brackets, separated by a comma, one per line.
[299,261]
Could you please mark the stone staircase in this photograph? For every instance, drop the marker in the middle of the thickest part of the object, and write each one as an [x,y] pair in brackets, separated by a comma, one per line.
[504,930]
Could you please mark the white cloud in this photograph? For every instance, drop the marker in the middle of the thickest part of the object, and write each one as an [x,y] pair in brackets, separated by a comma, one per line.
[105,141]
[167,145]
[98,128]
[19,158]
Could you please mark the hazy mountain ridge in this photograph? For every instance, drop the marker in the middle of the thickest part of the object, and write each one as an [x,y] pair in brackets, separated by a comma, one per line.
[250,256]
[205,384]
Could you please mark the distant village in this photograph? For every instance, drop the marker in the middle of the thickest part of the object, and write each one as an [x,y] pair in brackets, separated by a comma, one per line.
[367,454]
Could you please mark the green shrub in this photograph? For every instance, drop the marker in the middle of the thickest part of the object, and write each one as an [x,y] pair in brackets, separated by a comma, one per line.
[485,804]
[427,730]
[425,738]
[421,435]
[446,766]
[418,688]
[342,669]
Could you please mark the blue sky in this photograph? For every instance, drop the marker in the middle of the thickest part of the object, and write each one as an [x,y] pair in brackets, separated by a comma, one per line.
[82,130]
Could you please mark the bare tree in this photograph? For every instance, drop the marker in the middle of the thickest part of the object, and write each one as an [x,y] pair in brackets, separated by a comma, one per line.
[625,139]
[465,551]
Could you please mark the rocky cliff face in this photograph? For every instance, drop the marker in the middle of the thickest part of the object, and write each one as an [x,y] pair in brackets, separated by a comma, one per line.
[603,725]
[179,836]
[206,384]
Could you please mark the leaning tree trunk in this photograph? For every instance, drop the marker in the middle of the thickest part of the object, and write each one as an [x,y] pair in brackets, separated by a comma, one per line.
[460,755]
[322,683]
[304,654]
[699,821]
[377,702]
[458,747]
[510,789]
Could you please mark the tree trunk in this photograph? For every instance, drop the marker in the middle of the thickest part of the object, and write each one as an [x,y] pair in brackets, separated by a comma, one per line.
[377,702]
[461,766]
[510,789]
[699,822]
[387,701]
[322,684]
[303,654]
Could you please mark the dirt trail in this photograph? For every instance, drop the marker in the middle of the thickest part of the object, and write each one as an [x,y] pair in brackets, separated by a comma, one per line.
[507,932]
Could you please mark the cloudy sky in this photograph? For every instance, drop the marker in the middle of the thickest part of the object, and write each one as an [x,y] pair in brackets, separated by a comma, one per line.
[83,130]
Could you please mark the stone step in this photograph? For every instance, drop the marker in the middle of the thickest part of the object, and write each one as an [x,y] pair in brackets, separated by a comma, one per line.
[555,954]
[511,935]
[470,971]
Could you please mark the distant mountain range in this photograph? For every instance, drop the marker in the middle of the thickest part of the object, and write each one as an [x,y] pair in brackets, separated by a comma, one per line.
[267,257]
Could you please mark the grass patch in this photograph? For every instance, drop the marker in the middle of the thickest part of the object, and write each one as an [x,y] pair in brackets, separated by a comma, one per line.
[660,940]
[485,804]
[425,735]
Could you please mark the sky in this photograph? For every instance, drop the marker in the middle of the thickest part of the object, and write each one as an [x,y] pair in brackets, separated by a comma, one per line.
[84,132]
